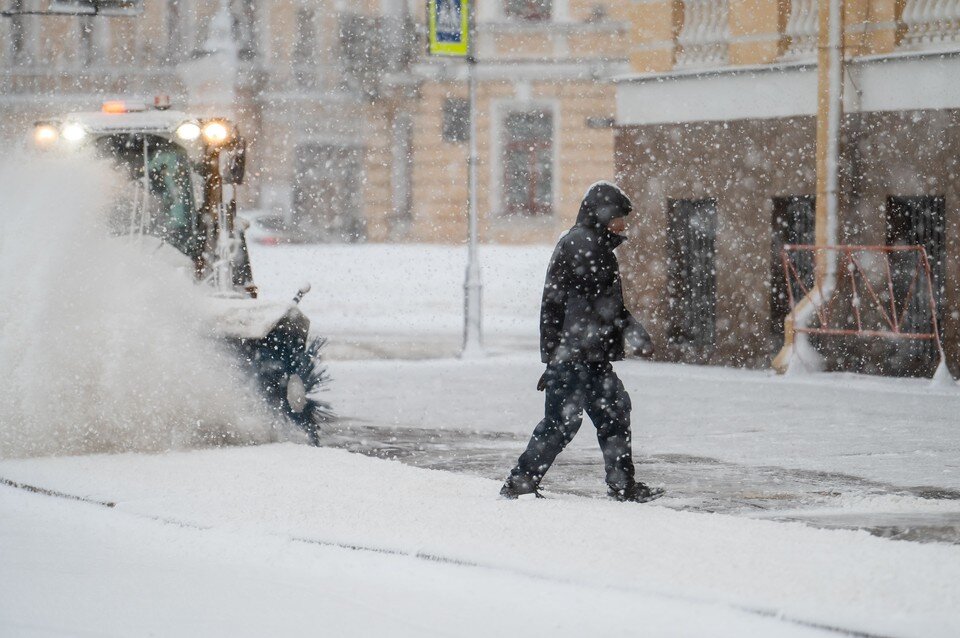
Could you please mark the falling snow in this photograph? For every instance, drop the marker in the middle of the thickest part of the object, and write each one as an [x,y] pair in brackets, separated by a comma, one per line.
[280,278]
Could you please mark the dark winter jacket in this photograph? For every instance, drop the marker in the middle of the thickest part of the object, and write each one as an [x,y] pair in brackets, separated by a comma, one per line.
[582,316]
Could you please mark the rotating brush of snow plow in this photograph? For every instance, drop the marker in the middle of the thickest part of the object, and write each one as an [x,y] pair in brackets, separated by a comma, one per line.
[287,366]
[274,344]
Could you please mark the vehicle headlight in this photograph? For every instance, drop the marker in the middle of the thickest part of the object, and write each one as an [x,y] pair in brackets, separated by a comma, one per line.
[73,132]
[215,132]
[45,134]
[188,131]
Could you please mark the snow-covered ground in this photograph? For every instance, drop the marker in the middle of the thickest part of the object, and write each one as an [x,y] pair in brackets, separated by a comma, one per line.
[289,539]
[407,298]
[292,540]
[900,431]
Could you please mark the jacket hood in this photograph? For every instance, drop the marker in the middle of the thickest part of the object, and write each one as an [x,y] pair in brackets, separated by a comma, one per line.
[603,194]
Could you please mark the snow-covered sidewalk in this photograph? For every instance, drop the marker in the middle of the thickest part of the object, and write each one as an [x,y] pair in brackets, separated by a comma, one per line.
[290,540]
[398,291]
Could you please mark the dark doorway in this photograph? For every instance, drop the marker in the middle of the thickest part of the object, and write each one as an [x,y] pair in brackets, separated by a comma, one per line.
[327,194]
[692,283]
[916,221]
[793,223]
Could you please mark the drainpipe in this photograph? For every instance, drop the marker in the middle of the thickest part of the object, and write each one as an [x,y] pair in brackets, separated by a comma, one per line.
[797,352]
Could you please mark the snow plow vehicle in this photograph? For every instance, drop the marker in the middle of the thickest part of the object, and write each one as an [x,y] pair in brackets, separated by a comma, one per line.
[182,173]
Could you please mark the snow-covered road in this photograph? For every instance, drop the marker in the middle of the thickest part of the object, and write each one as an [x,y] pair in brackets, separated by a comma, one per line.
[290,540]
[902,432]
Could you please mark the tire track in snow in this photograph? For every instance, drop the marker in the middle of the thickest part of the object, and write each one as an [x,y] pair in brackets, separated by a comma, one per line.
[47,492]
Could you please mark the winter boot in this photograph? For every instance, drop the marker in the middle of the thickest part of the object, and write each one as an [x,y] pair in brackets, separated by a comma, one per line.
[636,492]
[518,485]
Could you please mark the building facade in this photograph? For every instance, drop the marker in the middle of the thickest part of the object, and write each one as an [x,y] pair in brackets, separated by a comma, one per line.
[355,134]
[294,74]
[545,117]
[716,143]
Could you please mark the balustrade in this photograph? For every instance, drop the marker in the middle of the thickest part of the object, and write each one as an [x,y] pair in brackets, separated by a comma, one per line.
[704,38]
[802,30]
[929,23]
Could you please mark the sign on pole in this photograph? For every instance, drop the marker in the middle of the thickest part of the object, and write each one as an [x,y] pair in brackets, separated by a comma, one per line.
[449,22]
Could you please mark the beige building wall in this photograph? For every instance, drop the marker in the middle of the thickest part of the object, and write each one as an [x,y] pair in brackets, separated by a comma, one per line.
[582,155]
[561,66]
[752,32]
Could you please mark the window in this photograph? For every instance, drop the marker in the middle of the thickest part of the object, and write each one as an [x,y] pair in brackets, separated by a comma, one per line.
[363,52]
[793,223]
[917,221]
[87,53]
[402,174]
[305,43]
[175,40]
[528,163]
[534,10]
[167,209]
[692,284]
[328,191]
[245,28]
[456,120]
[18,35]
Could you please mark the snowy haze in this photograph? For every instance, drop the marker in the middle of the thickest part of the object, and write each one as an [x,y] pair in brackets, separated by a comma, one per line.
[102,347]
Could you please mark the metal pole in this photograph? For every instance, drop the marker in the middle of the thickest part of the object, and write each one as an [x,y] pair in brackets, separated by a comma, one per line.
[829,108]
[472,287]
[829,113]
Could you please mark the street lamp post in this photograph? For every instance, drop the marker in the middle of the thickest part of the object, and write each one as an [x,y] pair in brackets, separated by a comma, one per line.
[451,26]
[472,286]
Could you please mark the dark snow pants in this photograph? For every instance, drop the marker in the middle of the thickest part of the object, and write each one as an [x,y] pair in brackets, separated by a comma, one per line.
[572,388]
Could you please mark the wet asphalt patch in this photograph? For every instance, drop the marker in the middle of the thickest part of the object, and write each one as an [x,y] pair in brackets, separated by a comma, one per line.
[693,483]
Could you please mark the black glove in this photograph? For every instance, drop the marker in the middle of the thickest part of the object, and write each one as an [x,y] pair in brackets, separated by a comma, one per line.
[542,383]
[637,340]
[646,350]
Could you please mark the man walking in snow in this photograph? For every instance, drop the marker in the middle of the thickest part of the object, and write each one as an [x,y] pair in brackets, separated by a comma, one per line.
[584,326]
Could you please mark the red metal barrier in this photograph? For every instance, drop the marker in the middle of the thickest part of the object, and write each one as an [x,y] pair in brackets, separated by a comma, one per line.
[853,283]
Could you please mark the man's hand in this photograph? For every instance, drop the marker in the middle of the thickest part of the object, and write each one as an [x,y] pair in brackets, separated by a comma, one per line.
[542,383]
[645,350]
[642,349]
[637,340]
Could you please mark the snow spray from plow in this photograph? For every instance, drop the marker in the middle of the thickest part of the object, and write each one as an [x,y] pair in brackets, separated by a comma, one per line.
[103,349]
